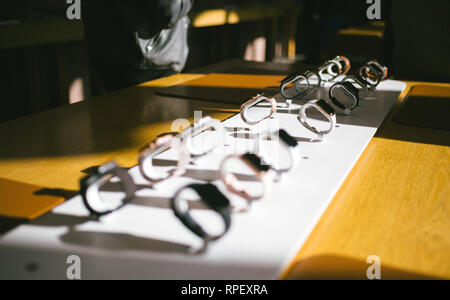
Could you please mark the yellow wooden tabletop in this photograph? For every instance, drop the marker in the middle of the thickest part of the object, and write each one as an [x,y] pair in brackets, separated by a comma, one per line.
[51,149]
[394,204]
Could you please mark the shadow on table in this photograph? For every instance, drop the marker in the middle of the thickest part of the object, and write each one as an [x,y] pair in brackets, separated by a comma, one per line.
[121,242]
[7,224]
[105,240]
[62,193]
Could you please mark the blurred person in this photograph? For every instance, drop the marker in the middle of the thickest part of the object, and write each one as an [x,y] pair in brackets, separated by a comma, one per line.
[134,41]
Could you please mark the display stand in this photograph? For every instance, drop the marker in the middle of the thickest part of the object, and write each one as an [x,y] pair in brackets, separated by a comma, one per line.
[145,241]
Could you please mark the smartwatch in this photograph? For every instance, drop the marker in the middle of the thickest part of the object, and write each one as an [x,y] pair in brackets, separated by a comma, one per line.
[252,103]
[295,79]
[371,76]
[288,143]
[324,109]
[90,189]
[345,63]
[213,199]
[155,148]
[313,75]
[357,79]
[383,71]
[186,137]
[373,72]
[350,91]
[331,68]
[263,173]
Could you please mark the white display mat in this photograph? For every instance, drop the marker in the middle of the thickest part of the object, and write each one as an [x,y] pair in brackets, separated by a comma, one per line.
[144,240]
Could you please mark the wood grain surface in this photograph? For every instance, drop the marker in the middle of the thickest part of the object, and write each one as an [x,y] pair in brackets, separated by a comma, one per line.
[395,204]
[52,149]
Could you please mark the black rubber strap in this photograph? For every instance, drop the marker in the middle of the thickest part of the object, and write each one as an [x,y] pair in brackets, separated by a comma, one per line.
[358,79]
[213,199]
[256,161]
[326,107]
[350,88]
[287,138]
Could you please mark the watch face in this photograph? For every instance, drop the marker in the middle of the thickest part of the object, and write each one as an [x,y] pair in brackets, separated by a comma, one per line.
[350,88]
[326,107]
[287,138]
[256,162]
[211,195]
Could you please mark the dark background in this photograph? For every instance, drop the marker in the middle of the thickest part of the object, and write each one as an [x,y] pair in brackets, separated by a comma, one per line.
[42,53]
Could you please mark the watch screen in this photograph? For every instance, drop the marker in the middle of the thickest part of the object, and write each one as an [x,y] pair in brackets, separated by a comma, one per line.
[326,107]
[256,162]
[287,138]
[351,88]
[211,195]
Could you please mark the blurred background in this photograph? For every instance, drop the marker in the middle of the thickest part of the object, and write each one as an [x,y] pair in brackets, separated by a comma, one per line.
[44,61]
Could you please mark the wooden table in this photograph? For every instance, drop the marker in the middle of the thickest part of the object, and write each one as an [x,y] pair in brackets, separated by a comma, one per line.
[395,204]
